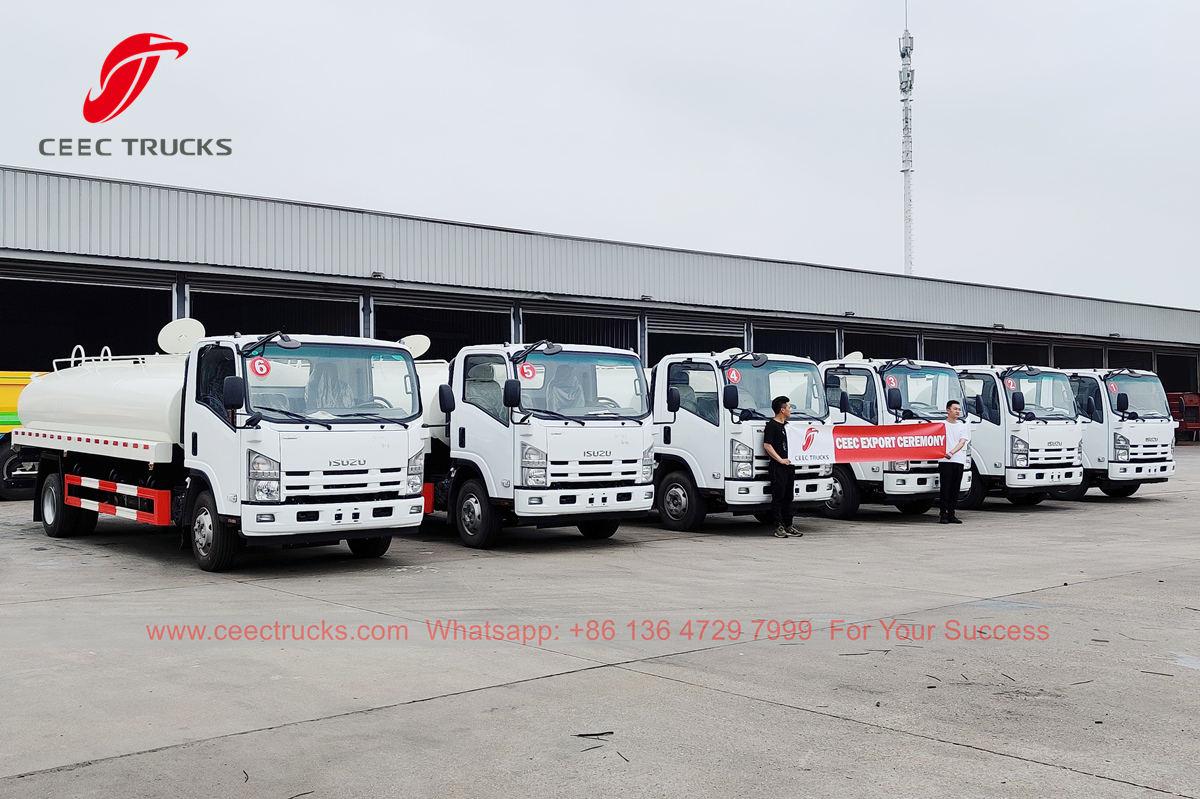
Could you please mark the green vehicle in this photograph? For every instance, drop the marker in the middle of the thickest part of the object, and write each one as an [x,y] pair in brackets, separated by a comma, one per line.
[16,476]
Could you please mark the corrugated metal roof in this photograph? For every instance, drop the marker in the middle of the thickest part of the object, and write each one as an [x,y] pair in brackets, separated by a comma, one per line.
[55,213]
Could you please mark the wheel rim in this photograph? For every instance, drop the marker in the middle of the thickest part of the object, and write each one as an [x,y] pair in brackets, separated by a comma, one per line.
[202,532]
[835,499]
[675,502]
[471,514]
[50,502]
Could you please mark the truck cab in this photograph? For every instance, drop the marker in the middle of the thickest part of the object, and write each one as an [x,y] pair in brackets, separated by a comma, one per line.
[710,410]
[888,392]
[1131,438]
[540,434]
[1025,433]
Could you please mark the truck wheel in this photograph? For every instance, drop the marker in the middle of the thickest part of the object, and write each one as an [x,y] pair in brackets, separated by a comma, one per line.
[1027,500]
[846,498]
[599,528]
[370,547]
[916,507]
[9,461]
[213,545]
[975,495]
[477,522]
[59,520]
[680,506]
[1070,493]
[1120,491]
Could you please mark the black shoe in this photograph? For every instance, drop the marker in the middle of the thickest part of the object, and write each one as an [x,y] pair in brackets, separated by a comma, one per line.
[955,520]
[943,520]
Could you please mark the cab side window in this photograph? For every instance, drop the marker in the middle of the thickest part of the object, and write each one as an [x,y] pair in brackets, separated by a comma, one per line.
[859,387]
[215,364]
[989,395]
[483,385]
[697,384]
[1085,387]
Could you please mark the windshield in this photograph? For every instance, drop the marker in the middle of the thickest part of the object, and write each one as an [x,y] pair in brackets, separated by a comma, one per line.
[332,382]
[583,384]
[1146,396]
[924,390]
[1048,395]
[799,382]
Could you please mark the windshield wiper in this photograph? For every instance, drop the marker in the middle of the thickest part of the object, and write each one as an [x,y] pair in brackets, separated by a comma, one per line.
[294,415]
[614,415]
[368,415]
[554,415]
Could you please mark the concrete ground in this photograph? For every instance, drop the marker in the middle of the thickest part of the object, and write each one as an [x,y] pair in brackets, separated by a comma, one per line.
[1102,702]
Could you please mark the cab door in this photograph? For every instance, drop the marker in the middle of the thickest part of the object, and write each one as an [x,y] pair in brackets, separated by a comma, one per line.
[211,443]
[481,425]
[1095,437]
[695,434]
[989,444]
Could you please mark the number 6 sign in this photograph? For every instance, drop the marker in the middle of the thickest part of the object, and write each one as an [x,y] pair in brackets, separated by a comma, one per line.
[260,367]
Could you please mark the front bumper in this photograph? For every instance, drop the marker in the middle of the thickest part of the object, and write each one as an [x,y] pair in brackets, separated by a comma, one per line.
[758,492]
[337,518]
[908,484]
[581,500]
[1043,477]
[1136,471]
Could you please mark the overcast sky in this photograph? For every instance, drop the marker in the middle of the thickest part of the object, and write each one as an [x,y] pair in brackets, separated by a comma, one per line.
[1055,142]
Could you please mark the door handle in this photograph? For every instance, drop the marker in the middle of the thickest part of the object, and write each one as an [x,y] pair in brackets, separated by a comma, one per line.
[667,434]
[195,443]
[462,437]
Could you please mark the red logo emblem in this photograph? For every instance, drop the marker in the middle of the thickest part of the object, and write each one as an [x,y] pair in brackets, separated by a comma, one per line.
[733,376]
[810,435]
[260,367]
[1112,387]
[125,72]
[527,371]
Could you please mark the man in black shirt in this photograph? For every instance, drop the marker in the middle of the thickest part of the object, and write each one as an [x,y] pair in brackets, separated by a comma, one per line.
[780,469]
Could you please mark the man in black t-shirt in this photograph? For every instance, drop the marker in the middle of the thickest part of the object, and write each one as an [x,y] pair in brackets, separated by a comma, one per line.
[780,470]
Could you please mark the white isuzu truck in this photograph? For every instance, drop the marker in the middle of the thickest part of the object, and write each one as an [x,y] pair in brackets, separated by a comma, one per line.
[710,410]
[1025,433]
[539,434]
[237,440]
[888,392]
[1131,440]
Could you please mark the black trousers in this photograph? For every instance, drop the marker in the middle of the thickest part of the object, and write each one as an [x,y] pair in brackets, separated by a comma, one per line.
[951,478]
[783,487]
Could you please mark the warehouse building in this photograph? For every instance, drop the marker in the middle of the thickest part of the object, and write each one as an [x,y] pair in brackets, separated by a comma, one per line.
[102,262]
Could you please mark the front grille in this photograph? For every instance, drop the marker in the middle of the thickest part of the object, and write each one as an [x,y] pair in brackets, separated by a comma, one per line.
[922,466]
[1051,457]
[335,485]
[762,463]
[594,472]
[1149,452]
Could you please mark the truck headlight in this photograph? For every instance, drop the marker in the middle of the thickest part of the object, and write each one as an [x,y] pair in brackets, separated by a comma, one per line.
[1120,447]
[1078,459]
[647,473]
[263,474]
[1019,448]
[741,460]
[533,466]
[896,466]
[416,473]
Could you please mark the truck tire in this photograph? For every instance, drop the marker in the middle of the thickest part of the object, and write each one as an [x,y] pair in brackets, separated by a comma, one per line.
[9,460]
[60,520]
[1070,493]
[976,494]
[1027,500]
[213,545]
[846,497]
[916,507]
[680,506]
[601,528]
[476,520]
[1120,491]
[370,547]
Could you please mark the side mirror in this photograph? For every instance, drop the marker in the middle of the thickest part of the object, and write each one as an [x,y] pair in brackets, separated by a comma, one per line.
[1122,402]
[1018,401]
[843,402]
[233,393]
[729,398]
[446,399]
[894,401]
[672,399]
[977,406]
[1089,409]
[512,393]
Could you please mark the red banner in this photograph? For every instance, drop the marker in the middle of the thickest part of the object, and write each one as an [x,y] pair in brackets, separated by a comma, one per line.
[925,441]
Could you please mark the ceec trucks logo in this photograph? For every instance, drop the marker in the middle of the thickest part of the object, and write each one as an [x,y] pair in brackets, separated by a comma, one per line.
[809,435]
[125,73]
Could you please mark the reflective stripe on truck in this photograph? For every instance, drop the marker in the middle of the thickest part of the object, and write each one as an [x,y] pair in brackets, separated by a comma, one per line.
[160,499]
